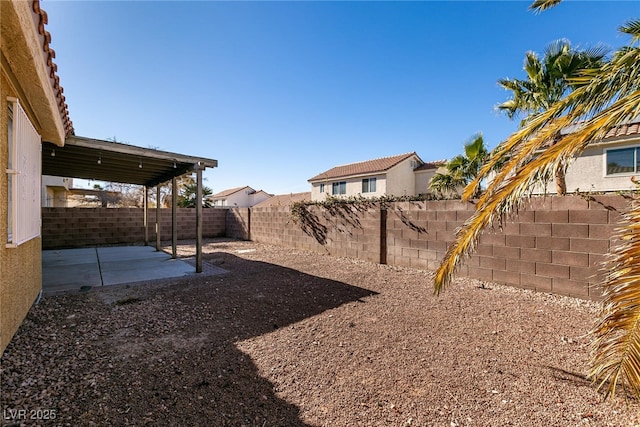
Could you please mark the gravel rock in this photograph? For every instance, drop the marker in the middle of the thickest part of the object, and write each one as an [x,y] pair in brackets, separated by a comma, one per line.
[291,338]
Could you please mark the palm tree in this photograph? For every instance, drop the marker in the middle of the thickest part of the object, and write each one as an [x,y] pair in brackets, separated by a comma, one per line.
[463,168]
[187,196]
[548,80]
[606,97]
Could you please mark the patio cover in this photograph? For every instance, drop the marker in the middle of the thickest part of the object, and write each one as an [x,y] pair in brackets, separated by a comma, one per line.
[96,159]
[100,160]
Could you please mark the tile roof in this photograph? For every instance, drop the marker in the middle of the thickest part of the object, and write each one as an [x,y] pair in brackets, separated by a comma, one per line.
[627,129]
[284,199]
[41,19]
[230,191]
[366,167]
[430,165]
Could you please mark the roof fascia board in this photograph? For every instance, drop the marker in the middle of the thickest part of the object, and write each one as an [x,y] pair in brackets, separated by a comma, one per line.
[118,147]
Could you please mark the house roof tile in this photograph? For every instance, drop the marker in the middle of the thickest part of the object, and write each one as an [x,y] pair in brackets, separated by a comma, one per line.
[430,165]
[284,199]
[228,192]
[367,167]
[41,19]
[628,129]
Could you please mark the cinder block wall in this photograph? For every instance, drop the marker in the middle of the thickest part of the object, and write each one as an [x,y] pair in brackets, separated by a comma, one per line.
[554,244]
[238,223]
[348,232]
[78,227]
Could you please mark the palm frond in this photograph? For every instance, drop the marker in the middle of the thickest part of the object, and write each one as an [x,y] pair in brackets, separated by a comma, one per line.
[518,176]
[541,5]
[632,28]
[616,352]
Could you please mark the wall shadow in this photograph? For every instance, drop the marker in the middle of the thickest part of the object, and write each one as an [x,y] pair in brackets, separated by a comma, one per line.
[167,355]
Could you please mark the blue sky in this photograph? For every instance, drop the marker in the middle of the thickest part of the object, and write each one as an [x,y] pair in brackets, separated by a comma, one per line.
[278,92]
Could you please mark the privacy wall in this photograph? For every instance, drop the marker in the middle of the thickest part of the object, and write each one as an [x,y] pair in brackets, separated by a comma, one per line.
[554,244]
[78,227]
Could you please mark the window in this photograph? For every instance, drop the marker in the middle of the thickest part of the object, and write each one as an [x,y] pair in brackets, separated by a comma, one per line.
[339,188]
[10,176]
[322,188]
[623,160]
[369,185]
[23,177]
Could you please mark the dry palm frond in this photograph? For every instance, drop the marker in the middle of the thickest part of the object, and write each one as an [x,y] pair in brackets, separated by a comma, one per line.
[516,179]
[610,97]
[616,354]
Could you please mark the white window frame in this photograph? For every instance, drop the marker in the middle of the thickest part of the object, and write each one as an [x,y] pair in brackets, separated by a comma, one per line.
[322,188]
[636,170]
[341,187]
[24,173]
[367,184]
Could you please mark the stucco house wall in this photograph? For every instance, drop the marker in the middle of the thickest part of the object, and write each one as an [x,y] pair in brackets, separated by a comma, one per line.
[24,75]
[588,172]
[54,191]
[353,187]
[401,180]
[241,197]
[258,197]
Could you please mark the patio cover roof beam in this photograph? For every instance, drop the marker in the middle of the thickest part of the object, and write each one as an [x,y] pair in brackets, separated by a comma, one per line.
[88,158]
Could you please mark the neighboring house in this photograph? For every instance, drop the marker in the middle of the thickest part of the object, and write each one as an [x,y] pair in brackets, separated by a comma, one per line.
[611,164]
[240,197]
[284,199]
[32,110]
[391,176]
[55,191]
[425,172]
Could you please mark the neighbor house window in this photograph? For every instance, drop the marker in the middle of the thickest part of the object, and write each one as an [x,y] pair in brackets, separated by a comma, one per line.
[339,187]
[322,188]
[623,160]
[23,177]
[369,185]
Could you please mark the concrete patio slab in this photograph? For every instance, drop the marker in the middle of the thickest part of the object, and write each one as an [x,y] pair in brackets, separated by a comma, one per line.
[67,270]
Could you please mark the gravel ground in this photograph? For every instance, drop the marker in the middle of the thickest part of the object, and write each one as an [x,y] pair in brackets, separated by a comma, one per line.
[290,338]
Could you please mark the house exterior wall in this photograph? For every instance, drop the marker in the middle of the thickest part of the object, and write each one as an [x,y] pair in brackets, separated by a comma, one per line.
[23,75]
[21,267]
[54,191]
[258,197]
[244,198]
[401,180]
[353,187]
[423,179]
[588,171]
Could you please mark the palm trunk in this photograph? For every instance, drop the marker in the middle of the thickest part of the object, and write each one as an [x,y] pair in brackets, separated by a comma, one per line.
[561,182]
[560,177]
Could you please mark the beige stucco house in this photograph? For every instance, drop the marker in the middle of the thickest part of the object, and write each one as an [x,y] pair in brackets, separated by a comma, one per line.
[55,191]
[32,110]
[239,197]
[400,175]
[611,164]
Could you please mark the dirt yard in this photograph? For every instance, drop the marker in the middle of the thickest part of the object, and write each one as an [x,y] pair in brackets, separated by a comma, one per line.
[289,338]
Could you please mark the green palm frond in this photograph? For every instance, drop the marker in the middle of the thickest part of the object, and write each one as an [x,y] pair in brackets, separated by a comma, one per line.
[616,354]
[632,28]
